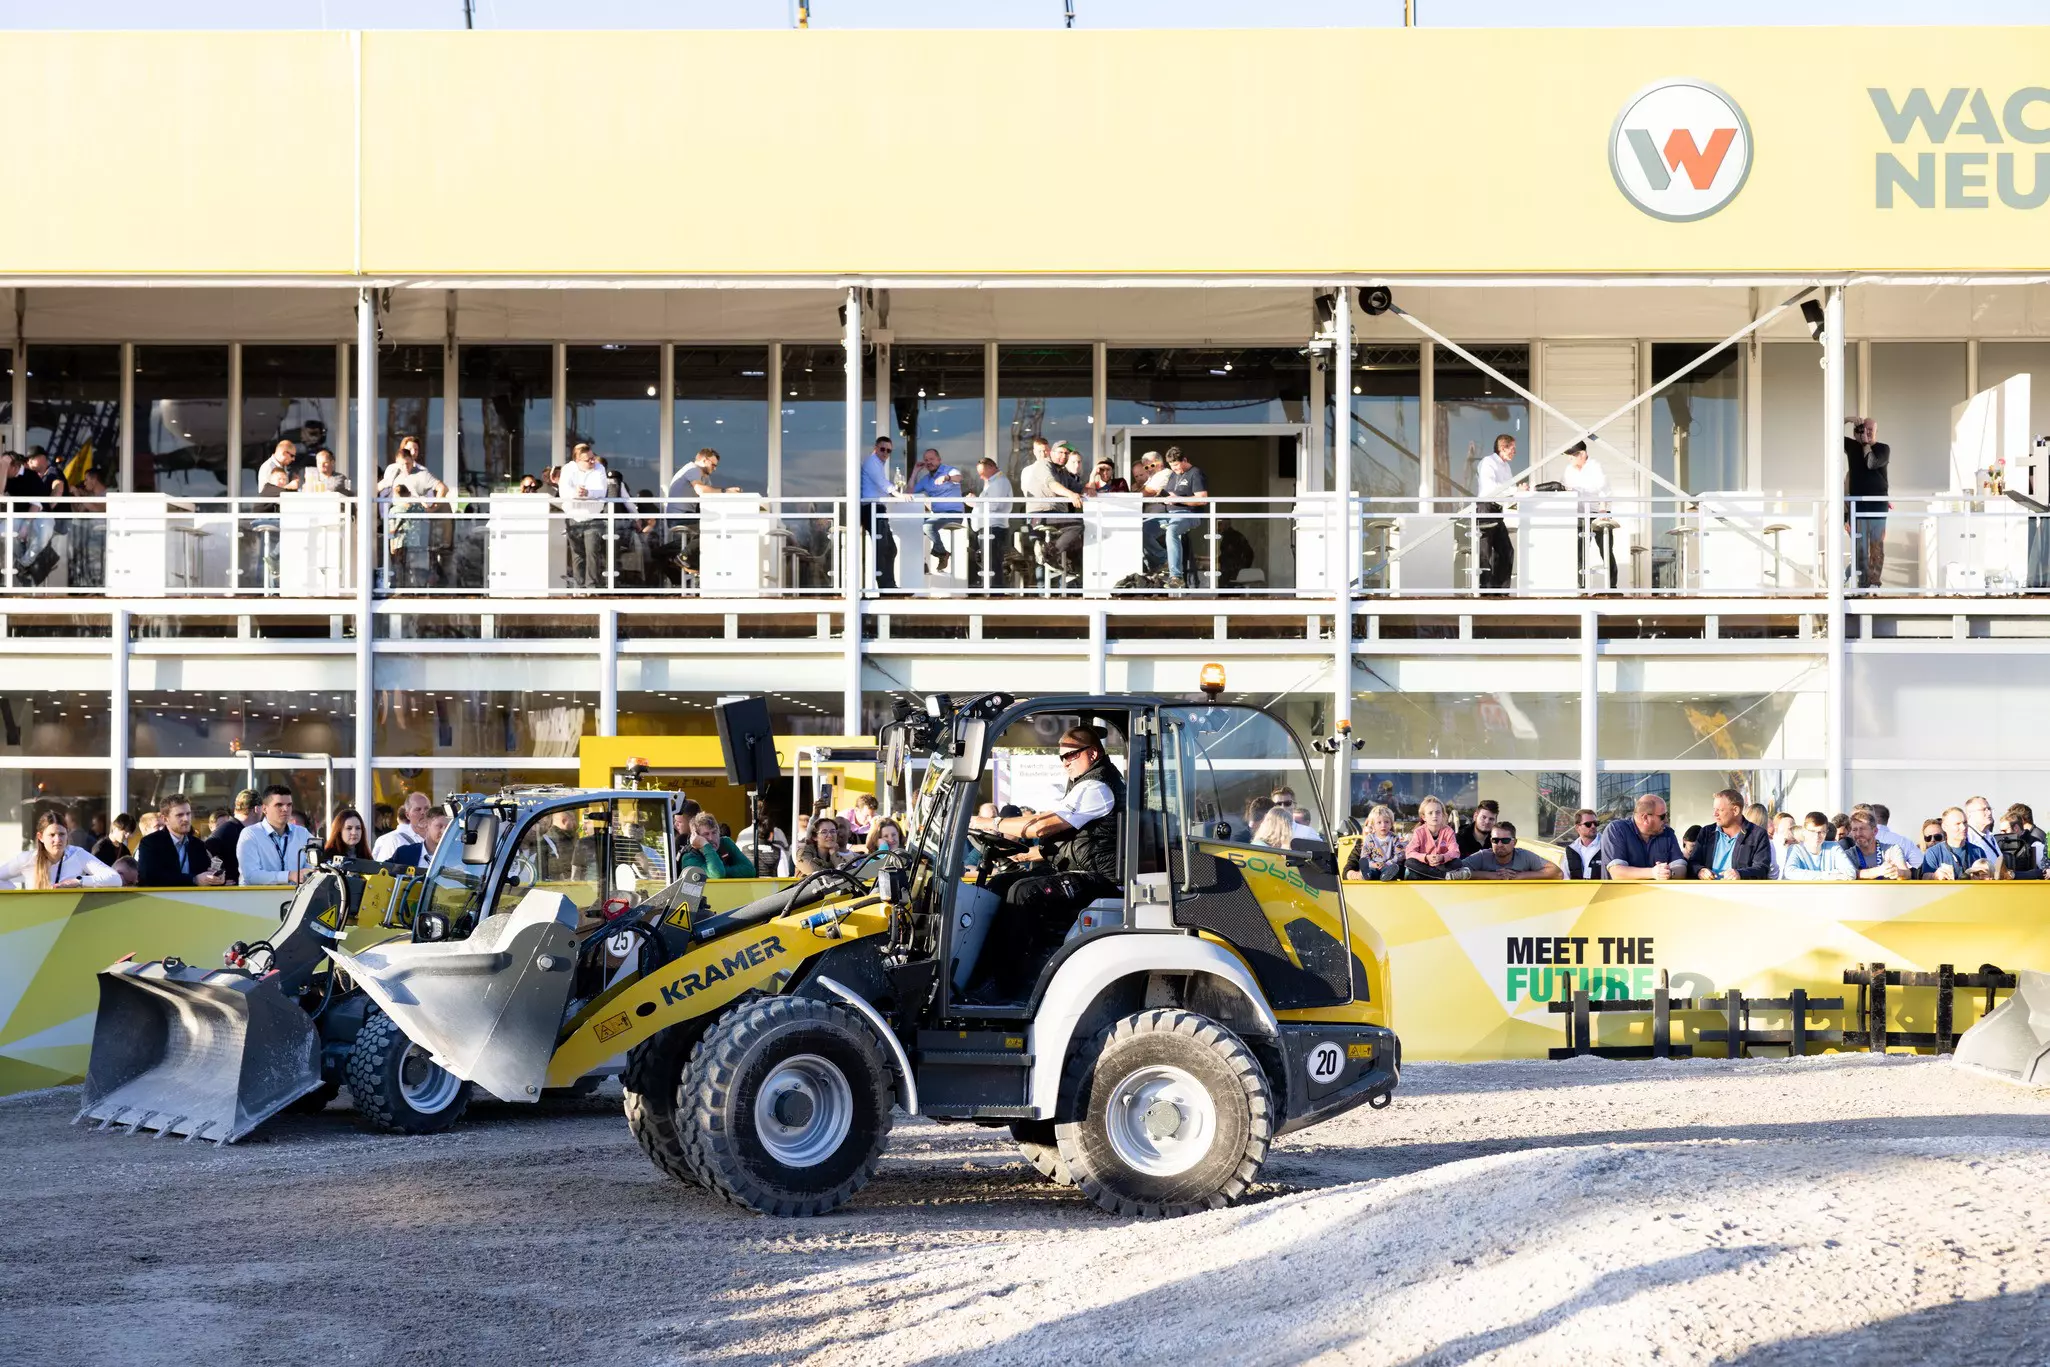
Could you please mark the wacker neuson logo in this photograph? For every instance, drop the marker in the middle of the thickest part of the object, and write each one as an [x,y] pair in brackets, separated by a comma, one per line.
[1987,139]
[1680,150]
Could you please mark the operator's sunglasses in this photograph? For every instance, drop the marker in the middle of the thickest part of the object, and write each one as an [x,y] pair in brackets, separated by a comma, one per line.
[1070,754]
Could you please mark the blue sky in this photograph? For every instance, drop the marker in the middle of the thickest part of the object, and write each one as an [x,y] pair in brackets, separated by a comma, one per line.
[269,14]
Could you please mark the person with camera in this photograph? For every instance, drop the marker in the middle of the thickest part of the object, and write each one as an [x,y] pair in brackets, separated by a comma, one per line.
[1865,489]
[2021,844]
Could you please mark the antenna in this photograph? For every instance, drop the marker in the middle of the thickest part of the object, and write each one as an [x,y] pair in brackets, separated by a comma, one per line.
[469,14]
[1068,10]
[1409,13]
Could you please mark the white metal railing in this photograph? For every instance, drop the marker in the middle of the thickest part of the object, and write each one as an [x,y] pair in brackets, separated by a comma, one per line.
[1950,544]
[1734,544]
[1113,545]
[158,545]
[531,546]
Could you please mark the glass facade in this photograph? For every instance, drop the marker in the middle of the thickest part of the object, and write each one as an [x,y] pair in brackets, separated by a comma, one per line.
[536,706]
[1791,373]
[2002,360]
[1147,386]
[410,385]
[181,420]
[35,722]
[1387,423]
[1431,708]
[1698,708]
[612,400]
[814,420]
[1697,425]
[1540,803]
[936,401]
[1043,391]
[505,416]
[722,401]
[681,713]
[1473,408]
[1914,387]
[74,407]
[288,394]
[209,723]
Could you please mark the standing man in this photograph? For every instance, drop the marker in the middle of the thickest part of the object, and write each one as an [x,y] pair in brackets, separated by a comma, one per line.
[876,492]
[1641,846]
[274,477]
[171,856]
[585,489]
[411,813]
[1184,492]
[1735,847]
[1865,486]
[1582,849]
[411,486]
[419,853]
[939,484]
[1785,837]
[268,852]
[1495,482]
[225,839]
[1583,475]
[992,505]
[689,484]
[1053,508]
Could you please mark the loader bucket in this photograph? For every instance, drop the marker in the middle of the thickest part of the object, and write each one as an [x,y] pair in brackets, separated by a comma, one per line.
[2014,1037]
[487,1008]
[209,1054]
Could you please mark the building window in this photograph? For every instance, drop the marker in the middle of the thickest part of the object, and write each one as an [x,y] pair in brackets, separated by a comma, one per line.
[537,706]
[814,421]
[1387,422]
[1914,387]
[1451,708]
[1148,386]
[209,724]
[722,402]
[505,416]
[1695,709]
[74,407]
[410,384]
[612,399]
[1043,391]
[53,724]
[936,401]
[181,406]
[1697,425]
[288,394]
[1999,361]
[1473,408]
[1791,411]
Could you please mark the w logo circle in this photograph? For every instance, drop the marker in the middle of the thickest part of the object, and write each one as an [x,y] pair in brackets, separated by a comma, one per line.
[1680,150]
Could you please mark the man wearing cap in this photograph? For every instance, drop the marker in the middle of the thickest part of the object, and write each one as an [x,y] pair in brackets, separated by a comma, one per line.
[1183,493]
[221,842]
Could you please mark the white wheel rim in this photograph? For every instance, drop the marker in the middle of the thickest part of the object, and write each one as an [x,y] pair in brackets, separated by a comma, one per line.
[1160,1121]
[425,1085]
[804,1110]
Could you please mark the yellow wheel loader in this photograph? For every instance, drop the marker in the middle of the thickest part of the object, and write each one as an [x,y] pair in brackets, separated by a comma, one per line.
[1145,1040]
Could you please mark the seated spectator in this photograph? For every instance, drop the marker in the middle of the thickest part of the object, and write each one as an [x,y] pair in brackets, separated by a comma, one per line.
[1053,498]
[119,841]
[1582,850]
[1378,854]
[1299,815]
[1979,829]
[1473,836]
[1957,858]
[268,852]
[1734,847]
[1504,858]
[765,846]
[1275,830]
[885,835]
[1841,825]
[1932,834]
[2021,844]
[860,816]
[828,843]
[1829,831]
[716,854]
[1433,848]
[1888,836]
[325,478]
[939,484]
[172,856]
[1105,480]
[411,491]
[129,871]
[1256,812]
[51,861]
[226,837]
[1867,857]
[346,838]
[1183,497]
[1785,835]
[1812,857]
[1641,846]
[1755,813]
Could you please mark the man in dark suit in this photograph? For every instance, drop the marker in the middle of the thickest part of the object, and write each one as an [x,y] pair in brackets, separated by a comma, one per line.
[1732,848]
[171,856]
[227,833]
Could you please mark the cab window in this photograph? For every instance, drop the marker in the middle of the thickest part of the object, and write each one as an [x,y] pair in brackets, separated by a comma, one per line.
[1241,764]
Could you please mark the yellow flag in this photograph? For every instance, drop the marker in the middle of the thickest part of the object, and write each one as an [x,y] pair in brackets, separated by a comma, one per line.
[80,462]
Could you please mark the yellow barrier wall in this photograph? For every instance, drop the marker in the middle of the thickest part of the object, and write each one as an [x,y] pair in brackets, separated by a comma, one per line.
[1468,983]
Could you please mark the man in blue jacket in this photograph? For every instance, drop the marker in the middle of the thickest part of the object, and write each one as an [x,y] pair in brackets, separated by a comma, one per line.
[1733,847]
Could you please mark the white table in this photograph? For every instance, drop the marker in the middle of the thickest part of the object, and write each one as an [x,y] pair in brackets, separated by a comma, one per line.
[152,546]
[312,544]
[740,545]
[1547,531]
[1733,552]
[528,555]
[1113,540]
[1975,546]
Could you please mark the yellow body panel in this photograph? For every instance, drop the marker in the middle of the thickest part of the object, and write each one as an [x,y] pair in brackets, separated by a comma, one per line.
[1286,896]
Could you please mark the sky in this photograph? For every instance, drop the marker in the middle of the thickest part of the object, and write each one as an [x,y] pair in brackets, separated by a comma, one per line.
[696,14]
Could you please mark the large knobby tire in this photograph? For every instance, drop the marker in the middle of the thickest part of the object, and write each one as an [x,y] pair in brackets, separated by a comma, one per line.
[1170,1115]
[397,1086]
[785,1105]
[654,1073]
[1042,1149]
[316,1101]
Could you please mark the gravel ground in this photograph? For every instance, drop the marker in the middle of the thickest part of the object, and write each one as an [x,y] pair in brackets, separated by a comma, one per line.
[1825,1210]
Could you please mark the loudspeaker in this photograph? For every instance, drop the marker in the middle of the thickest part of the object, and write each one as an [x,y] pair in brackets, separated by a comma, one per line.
[747,743]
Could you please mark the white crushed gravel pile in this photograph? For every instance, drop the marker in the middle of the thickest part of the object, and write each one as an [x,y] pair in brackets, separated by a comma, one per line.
[1831,1210]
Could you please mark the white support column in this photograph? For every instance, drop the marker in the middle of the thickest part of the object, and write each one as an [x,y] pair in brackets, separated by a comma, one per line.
[17,436]
[366,533]
[989,405]
[235,423]
[343,435]
[775,417]
[117,714]
[851,582]
[1099,398]
[128,416]
[1590,707]
[1309,474]
[1427,426]
[1833,560]
[451,402]
[1099,644]
[665,410]
[558,408]
[1339,563]
[608,670]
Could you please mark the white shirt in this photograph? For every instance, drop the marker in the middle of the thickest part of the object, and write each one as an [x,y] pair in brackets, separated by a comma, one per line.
[1084,802]
[993,504]
[1888,836]
[1156,481]
[75,862]
[1298,831]
[1587,850]
[1495,477]
[583,491]
[275,471]
[1588,481]
[387,845]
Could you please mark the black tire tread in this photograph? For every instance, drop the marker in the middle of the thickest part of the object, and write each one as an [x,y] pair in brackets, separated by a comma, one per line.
[370,1061]
[653,1075]
[1041,1147]
[1235,1055]
[715,1064]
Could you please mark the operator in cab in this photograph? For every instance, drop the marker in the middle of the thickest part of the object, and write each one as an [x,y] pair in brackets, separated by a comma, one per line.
[1078,842]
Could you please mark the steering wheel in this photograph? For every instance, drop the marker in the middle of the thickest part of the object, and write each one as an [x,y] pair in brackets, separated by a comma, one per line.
[994,846]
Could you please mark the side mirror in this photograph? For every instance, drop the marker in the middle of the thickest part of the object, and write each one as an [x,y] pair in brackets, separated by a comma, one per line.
[480,838]
[968,763]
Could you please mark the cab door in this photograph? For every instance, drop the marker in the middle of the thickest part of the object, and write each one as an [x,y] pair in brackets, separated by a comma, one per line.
[1278,907]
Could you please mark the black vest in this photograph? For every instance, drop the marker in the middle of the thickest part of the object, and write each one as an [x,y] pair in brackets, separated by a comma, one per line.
[1094,848]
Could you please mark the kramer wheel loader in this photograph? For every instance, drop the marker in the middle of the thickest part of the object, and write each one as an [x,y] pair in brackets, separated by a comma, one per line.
[1145,1046]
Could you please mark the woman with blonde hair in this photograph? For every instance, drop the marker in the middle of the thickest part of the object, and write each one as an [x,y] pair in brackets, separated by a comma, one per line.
[1276,829]
[51,862]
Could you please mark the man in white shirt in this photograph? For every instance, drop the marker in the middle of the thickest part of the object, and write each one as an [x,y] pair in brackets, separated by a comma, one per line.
[689,484]
[1583,475]
[411,814]
[1979,832]
[1583,852]
[274,477]
[992,518]
[1149,475]
[1494,484]
[1054,508]
[268,852]
[410,486]
[1891,839]
[584,491]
